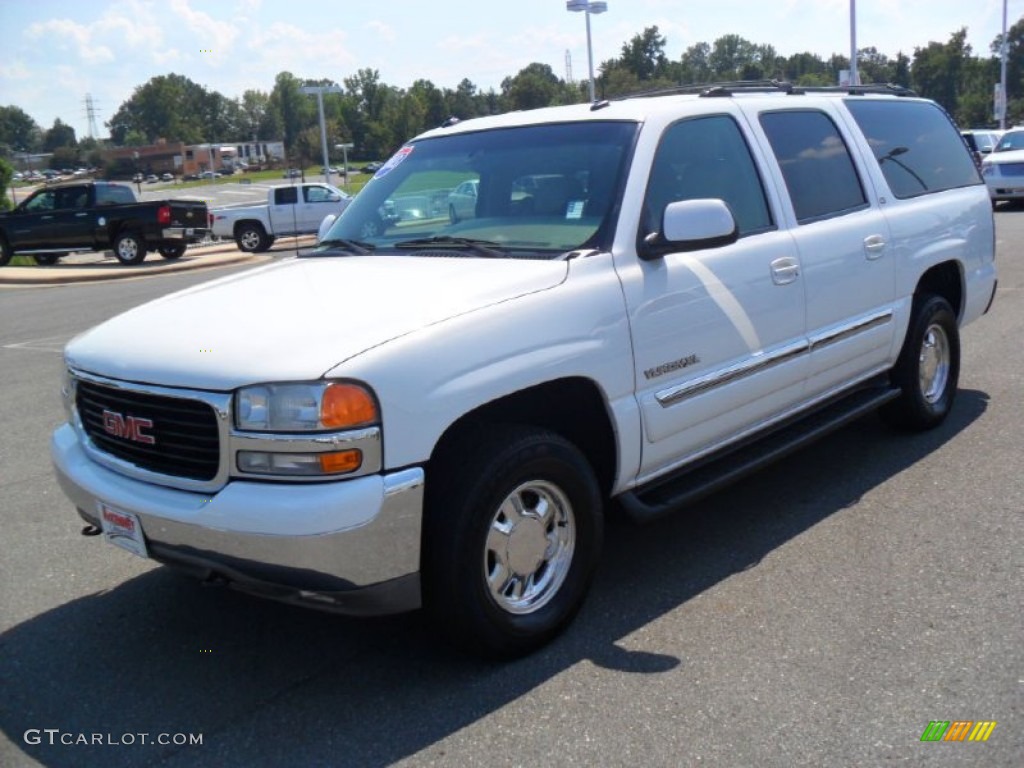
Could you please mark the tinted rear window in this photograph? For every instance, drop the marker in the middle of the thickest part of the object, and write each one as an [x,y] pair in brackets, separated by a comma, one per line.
[916,144]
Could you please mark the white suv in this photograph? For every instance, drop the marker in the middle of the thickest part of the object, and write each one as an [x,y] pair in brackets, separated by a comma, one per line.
[647,298]
[1003,168]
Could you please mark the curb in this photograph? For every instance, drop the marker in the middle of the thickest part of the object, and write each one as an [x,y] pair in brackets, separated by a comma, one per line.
[109,268]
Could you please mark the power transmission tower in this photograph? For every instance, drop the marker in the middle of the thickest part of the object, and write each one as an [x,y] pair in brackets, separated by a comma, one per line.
[568,66]
[90,113]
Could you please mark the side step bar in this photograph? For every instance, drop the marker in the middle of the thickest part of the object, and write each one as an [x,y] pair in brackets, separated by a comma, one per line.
[694,482]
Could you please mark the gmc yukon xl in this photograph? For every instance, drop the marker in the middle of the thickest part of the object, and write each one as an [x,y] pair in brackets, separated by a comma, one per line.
[648,298]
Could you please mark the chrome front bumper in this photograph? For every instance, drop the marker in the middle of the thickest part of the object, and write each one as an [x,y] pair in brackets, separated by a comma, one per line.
[351,546]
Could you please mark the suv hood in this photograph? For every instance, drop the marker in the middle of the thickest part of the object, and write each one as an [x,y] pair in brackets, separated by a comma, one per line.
[297,319]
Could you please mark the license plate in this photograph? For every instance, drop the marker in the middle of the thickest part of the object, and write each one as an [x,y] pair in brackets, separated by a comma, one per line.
[122,529]
[189,231]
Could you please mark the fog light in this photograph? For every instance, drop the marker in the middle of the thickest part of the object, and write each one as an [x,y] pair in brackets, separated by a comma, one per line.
[300,464]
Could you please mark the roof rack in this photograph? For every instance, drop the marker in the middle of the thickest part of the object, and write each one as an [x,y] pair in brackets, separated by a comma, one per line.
[730,88]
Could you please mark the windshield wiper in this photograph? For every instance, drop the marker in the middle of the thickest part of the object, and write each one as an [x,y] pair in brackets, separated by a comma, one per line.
[356,246]
[487,248]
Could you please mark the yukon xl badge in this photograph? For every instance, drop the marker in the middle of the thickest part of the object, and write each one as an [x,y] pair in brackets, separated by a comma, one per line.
[128,427]
[675,365]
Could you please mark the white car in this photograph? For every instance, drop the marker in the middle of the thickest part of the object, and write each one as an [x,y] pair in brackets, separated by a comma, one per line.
[293,209]
[653,297]
[1003,168]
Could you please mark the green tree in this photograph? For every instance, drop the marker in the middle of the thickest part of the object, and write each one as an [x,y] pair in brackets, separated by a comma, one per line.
[536,85]
[644,55]
[6,174]
[18,131]
[938,70]
[171,107]
[64,157]
[695,64]
[60,135]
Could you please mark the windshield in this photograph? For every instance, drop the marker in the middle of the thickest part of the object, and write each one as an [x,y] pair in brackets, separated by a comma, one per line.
[1011,140]
[528,192]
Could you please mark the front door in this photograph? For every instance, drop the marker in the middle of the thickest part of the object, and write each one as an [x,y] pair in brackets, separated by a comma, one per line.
[718,333]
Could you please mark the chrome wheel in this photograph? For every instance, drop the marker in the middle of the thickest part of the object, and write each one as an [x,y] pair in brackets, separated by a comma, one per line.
[249,239]
[529,547]
[934,362]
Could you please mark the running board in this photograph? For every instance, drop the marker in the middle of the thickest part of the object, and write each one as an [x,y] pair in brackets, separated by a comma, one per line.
[694,482]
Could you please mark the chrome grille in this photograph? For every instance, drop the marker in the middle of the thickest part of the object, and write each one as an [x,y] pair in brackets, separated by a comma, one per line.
[185,437]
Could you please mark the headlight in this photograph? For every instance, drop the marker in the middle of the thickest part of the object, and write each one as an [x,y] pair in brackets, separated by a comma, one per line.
[988,170]
[304,407]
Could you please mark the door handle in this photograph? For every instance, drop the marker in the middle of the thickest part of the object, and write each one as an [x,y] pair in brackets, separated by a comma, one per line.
[874,247]
[785,270]
[81,215]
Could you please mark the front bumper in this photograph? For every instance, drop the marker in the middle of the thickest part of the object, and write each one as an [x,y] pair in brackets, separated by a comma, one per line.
[351,546]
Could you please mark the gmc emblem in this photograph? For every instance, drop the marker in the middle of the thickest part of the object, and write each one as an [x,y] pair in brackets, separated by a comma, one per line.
[128,428]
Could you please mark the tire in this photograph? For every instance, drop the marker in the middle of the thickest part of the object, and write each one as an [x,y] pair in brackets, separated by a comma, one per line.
[130,248]
[502,576]
[46,259]
[928,368]
[251,238]
[172,252]
[6,252]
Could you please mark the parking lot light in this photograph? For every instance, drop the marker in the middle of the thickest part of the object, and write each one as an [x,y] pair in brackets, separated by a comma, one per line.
[588,7]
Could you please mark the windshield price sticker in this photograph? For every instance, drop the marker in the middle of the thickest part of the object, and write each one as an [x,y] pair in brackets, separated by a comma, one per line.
[394,162]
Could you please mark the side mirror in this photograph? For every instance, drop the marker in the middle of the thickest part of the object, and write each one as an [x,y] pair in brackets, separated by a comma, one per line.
[691,225]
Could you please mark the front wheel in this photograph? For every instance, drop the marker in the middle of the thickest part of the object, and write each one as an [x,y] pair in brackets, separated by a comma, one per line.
[513,532]
[130,248]
[928,368]
[175,251]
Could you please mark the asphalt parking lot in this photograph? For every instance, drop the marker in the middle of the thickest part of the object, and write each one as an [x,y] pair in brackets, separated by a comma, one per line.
[822,612]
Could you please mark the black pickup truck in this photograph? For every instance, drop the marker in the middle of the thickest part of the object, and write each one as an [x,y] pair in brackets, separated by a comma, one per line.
[99,216]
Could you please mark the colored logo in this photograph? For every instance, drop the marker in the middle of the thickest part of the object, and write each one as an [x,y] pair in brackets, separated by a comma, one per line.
[958,730]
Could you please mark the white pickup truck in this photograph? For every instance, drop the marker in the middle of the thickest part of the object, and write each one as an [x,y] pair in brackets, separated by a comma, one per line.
[645,299]
[295,209]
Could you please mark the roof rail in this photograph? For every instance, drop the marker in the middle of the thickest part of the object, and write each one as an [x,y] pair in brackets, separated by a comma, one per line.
[730,88]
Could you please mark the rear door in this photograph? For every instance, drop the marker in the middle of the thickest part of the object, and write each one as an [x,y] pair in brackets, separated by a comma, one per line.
[844,244]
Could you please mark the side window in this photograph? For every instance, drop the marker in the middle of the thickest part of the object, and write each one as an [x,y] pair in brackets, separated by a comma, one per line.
[286,195]
[916,146]
[815,162]
[319,195]
[113,194]
[41,202]
[707,157]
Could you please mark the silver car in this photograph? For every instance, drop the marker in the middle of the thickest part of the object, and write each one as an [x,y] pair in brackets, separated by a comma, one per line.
[1003,168]
[462,201]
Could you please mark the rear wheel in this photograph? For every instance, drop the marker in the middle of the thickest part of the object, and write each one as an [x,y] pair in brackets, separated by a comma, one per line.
[251,238]
[513,532]
[175,251]
[6,252]
[130,248]
[928,368]
[46,259]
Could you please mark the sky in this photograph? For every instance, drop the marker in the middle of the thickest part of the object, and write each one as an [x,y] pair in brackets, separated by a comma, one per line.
[55,52]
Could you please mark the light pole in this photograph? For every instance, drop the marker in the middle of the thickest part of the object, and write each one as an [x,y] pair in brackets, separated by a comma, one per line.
[320,90]
[854,77]
[588,7]
[1002,75]
[344,169]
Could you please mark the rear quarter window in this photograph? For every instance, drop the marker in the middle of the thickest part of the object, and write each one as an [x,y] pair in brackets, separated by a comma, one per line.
[916,145]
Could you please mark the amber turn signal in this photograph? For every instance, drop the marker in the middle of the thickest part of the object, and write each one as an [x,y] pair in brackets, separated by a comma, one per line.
[347,405]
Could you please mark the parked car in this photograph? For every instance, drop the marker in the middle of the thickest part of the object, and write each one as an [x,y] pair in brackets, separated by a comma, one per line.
[1003,168]
[99,216]
[462,201]
[292,173]
[290,210]
[439,415]
[152,178]
[981,142]
[372,167]
[208,175]
[167,177]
